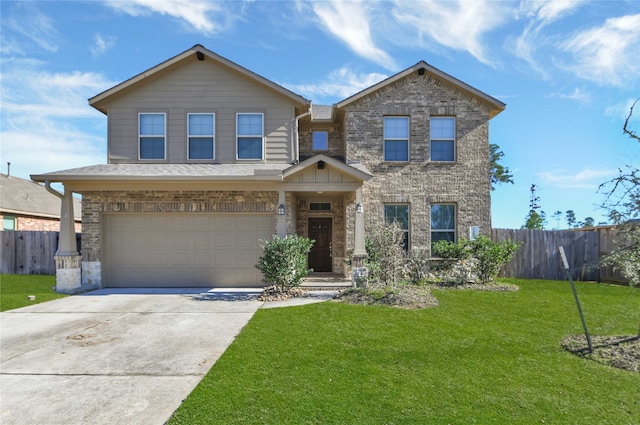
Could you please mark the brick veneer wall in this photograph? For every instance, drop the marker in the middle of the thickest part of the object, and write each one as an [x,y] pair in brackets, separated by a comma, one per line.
[97,203]
[335,141]
[421,182]
[32,223]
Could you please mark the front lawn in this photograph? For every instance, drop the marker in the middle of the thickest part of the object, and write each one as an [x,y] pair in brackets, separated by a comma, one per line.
[478,357]
[16,288]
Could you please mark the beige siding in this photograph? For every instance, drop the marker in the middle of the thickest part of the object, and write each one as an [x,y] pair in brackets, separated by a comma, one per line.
[201,86]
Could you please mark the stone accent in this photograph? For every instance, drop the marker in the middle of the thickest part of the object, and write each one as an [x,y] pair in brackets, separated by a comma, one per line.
[420,182]
[95,204]
[92,273]
[68,276]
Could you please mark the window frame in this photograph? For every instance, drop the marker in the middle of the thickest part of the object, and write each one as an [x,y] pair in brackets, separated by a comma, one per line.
[313,140]
[250,136]
[442,139]
[407,231]
[6,219]
[453,230]
[150,136]
[395,139]
[201,136]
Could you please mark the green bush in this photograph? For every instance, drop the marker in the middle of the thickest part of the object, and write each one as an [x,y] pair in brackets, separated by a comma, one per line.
[284,263]
[484,256]
[385,254]
[491,256]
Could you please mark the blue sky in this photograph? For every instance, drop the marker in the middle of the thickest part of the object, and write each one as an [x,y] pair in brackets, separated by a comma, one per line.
[567,70]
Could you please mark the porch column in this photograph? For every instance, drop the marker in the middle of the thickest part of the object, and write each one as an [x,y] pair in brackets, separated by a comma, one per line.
[67,258]
[281,222]
[359,277]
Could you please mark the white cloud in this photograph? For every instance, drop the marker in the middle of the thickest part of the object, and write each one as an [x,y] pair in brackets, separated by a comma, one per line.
[459,25]
[587,178]
[102,44]
[577,94]
[47,124]
[338,85]
[206,17]
[540,14]
[349,21]
[31,25]
[607,54]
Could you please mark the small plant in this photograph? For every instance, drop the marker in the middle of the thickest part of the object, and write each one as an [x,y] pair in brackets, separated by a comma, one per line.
[385,254]
[491,256]
[284,263]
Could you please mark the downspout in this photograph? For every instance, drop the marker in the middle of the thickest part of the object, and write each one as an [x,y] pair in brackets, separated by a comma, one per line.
[297,136]
[47,185]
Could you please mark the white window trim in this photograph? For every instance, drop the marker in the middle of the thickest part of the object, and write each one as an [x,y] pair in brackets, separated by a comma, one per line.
[189,136]
[252,135]
[454,140]
[164,136]
[327,138]
[385,138]
[455,221]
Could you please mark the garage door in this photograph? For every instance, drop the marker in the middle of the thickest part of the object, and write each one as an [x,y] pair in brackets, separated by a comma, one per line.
[173,250]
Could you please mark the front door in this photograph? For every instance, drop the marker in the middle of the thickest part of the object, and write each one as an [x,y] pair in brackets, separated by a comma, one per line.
[320,254]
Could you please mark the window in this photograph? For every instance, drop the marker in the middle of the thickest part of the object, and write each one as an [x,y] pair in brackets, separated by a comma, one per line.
[320,140]
[152,131]
[201,135]
[400,214]
[320,206]
[443,132]
[8,222]
[249,132]
[443,222]
[396,138]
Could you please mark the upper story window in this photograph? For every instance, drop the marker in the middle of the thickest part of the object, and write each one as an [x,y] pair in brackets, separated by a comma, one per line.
[443,135]
[152,130]
[443,222]
[249,132]
[399,213]
[396,138]
[320,140]
[201,136]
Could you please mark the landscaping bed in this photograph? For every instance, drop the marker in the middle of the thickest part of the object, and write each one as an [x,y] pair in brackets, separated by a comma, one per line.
[622,352]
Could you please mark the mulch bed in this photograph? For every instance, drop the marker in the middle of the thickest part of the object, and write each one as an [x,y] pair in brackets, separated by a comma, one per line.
[622,352]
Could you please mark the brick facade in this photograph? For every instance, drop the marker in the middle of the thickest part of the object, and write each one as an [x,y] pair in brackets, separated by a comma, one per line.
[95,204]
[420,182]
[33,223]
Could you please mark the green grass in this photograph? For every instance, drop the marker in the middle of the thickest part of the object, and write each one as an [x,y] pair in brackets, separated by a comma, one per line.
[15,288]
[486,358]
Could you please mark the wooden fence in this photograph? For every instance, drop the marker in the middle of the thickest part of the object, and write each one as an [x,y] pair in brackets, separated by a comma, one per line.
[23,252]
[538,256]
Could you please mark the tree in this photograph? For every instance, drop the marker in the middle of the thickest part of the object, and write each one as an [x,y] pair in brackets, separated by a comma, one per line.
[588,222]
[499,173]
[536,219]
[557,216]
[622,201]
[571,219]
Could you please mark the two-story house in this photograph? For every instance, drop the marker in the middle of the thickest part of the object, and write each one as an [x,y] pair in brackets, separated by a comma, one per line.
[206,158]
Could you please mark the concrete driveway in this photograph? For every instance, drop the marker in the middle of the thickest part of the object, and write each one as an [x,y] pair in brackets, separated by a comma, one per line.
[114,356]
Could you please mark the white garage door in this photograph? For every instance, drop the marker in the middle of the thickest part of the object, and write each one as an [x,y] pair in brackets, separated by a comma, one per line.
[180,250]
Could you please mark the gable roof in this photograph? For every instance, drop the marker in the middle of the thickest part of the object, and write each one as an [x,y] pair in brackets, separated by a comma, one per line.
[496,106]
[201,53]
[25,197]
[358,172]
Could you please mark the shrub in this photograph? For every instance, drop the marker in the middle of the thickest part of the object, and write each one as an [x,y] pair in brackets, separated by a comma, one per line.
[491,256]
[416,266]
[284,262]
[385,253]
[480,259]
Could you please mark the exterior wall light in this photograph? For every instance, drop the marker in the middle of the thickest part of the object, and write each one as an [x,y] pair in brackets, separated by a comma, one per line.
[359,208]
[281,209]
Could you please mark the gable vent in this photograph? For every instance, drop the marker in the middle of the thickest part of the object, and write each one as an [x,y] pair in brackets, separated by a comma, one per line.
[200,56]
[320,165]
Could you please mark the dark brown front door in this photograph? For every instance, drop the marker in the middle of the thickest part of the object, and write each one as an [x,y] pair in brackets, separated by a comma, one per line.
[320,254]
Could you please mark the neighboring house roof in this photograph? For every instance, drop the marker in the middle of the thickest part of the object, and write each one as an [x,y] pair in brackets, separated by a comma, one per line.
[101,100]
[495,105]
[25,197]
[202,172]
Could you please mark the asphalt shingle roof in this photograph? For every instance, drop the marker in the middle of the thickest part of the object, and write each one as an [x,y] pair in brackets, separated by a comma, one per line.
[20,196]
